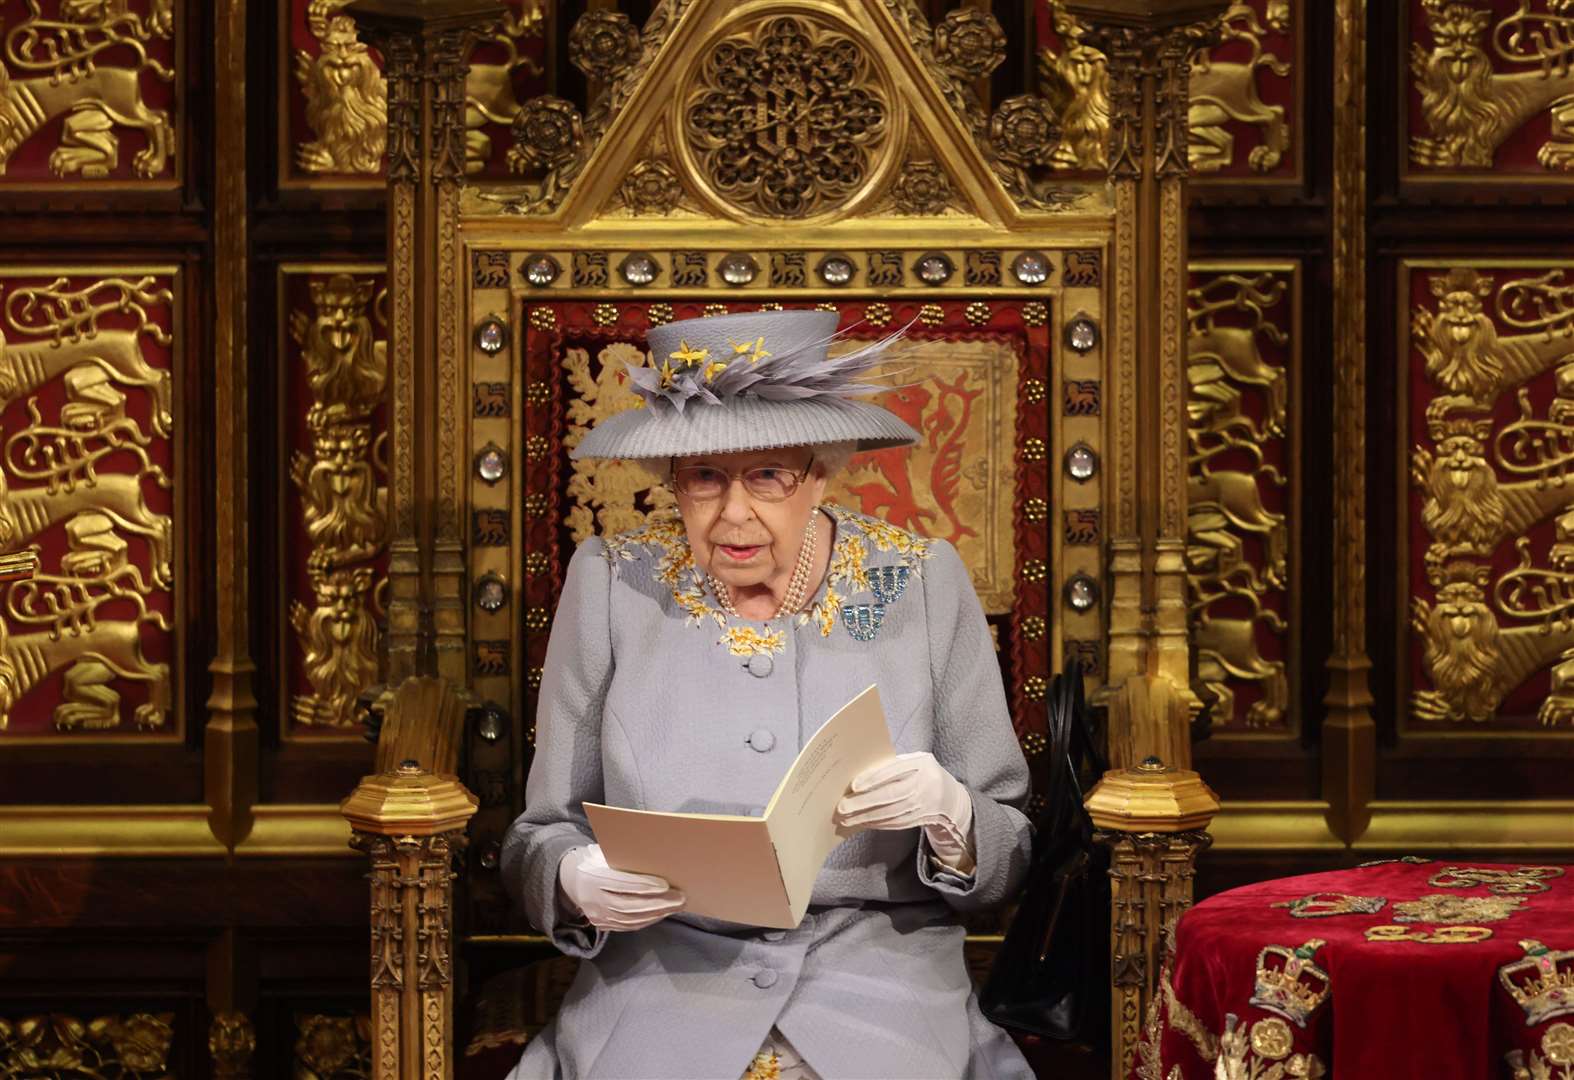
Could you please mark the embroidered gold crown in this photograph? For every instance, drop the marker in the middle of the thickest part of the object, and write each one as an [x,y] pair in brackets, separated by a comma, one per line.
[1542,982]
[1288,983]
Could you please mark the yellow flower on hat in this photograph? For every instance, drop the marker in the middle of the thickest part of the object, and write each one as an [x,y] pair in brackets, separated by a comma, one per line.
[754,350]
[687,355]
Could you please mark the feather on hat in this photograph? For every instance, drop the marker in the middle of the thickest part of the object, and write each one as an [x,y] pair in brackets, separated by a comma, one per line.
[751,381]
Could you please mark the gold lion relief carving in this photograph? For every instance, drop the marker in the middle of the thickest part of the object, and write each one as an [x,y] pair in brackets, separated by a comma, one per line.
[1470,109]
[607,496]
[344,506]
[1484,482]
[95,571]
[90,612]
[51,69]
[1237,552]
[347,95]
[1076,81]
[62,327]
[1222,91]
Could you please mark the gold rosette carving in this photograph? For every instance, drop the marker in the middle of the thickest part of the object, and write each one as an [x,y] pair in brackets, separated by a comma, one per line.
[113,1047]
[776,72]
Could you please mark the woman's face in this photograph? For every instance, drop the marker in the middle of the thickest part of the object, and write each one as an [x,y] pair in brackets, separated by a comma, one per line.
[738,537]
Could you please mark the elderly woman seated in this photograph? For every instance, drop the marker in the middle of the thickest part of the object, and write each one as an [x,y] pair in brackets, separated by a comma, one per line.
[689,661]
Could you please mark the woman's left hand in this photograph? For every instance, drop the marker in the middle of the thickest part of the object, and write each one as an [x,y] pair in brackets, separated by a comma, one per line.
[910,791]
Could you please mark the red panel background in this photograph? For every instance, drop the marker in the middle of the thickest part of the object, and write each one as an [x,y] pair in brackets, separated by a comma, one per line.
[33,714]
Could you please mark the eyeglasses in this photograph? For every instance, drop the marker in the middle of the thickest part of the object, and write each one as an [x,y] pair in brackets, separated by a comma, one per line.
[768,483]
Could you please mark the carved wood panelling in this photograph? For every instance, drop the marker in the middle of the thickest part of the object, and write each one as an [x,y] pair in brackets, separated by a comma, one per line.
[332,113]
[89,92]
[1243,428]
[88,463]
[1490,523]
[333,369]
[1245,113]
[1489,88]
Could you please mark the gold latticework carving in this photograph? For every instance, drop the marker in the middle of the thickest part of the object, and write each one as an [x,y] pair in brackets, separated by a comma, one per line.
[1151,887]
[743,118]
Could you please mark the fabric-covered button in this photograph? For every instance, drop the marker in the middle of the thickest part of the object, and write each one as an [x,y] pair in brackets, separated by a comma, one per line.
[762,740]
[774,935]
[760,665]
[765,979]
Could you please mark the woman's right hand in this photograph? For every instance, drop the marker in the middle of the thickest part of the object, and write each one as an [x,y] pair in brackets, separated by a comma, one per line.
[614,899]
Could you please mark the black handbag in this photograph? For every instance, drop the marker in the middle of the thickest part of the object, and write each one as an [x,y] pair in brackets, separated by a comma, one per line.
[1051,975]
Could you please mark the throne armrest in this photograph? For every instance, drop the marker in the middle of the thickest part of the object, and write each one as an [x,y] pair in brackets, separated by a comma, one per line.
[409,818]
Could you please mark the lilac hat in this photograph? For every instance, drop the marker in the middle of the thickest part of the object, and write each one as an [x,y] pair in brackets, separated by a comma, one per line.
[751,381]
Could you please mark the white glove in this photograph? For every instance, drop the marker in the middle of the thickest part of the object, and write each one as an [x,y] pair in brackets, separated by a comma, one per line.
[613,899]
[914,790]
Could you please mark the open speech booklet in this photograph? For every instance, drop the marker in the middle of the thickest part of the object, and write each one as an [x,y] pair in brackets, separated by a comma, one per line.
[755,870]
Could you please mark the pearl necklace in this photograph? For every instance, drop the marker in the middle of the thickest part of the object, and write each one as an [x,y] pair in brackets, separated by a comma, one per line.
[797,585]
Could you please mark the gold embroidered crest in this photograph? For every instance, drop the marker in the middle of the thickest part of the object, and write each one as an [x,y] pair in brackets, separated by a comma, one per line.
[1454,910]
[1503,880]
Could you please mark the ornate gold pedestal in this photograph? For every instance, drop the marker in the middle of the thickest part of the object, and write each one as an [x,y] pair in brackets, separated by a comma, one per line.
[1154,819]
[410,822]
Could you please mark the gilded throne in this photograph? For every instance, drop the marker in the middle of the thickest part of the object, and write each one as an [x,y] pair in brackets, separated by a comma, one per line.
[868,168]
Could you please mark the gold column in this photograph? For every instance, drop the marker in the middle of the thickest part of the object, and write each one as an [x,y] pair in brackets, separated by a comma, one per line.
[229,746]
[1148,45]
[1151,809]
[410,822]
[425,46]
[1349,738]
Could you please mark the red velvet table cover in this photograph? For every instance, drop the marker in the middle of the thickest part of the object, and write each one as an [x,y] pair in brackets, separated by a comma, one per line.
[1281,979]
